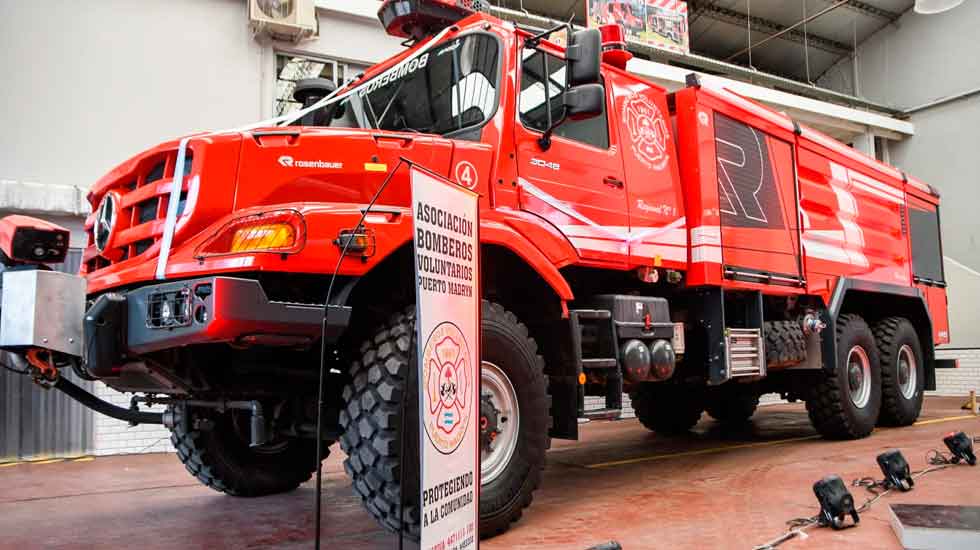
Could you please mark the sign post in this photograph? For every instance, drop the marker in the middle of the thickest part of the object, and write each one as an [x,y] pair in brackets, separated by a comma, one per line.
[447,278]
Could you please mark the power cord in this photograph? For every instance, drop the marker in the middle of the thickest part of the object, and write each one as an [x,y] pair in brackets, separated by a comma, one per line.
[797,527]
[323,352]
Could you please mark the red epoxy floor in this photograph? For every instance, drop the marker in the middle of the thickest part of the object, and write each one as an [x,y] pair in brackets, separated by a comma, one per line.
[709,490]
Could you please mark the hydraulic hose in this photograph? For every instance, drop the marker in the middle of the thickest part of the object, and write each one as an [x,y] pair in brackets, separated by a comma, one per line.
[104,407]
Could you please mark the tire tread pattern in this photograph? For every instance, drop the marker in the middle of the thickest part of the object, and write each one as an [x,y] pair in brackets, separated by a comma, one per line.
[888,333]
[222,469]
[826,401]
[370,424]
[785,343]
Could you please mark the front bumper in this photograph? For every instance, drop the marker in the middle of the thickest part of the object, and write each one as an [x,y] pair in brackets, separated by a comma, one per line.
[120,326]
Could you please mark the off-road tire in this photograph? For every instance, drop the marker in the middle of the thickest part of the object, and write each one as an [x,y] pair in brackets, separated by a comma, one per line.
[896,409]
[219,458]
[785,344]
[371,422]
[829,404]
[668,409]
[733,404]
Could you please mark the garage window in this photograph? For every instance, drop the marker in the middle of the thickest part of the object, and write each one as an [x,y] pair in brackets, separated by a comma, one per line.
[292,68]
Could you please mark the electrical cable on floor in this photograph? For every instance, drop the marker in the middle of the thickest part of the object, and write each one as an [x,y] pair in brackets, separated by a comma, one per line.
[323,351]
[879,488]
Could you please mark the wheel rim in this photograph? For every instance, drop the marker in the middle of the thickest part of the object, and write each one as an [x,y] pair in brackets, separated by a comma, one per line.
[859,376]
[499,422]
[907,372]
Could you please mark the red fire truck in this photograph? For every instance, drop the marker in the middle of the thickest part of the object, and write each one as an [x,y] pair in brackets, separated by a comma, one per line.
[692,249]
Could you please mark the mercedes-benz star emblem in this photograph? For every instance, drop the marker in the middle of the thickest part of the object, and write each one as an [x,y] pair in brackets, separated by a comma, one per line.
[105,221]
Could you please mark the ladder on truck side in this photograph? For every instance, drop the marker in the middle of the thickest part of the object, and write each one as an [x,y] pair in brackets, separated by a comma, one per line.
[604,362]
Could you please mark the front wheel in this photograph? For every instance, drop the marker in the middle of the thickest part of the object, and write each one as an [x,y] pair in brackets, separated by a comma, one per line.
[214,447]
[514,422]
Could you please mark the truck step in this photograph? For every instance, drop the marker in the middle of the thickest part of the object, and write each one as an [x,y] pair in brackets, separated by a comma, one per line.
[599,363]
[598,314]
[746,355]
[602,414]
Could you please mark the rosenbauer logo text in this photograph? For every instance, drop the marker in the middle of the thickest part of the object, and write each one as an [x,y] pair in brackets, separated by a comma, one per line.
[287,161]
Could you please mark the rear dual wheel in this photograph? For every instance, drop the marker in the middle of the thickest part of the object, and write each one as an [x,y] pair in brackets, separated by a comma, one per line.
[902,371]
[844,403]
[879,379]
[514,422]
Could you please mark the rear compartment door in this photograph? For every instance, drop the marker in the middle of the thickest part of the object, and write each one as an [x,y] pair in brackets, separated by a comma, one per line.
[578,183]
[927,263]
[757,198]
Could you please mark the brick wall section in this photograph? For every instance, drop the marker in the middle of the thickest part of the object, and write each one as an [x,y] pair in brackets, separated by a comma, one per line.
[958,381]
[113,437]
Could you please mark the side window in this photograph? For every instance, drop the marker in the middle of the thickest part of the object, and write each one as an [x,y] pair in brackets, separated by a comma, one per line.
[543,75]
[927,257]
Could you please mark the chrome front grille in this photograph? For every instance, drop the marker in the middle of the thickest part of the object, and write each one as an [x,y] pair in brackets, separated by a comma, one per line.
[143,196]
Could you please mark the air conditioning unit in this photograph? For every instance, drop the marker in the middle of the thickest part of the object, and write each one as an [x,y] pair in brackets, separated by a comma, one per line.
[291,20]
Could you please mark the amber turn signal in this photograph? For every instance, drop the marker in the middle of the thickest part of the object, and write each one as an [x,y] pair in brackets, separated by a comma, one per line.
[279,231]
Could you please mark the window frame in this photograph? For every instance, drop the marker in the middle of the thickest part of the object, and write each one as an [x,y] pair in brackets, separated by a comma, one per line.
[498,93]
[347,64]
[941,282]
[520,118]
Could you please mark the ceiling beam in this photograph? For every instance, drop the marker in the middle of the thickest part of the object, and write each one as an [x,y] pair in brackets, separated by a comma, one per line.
[713,66]
[873,11]
[766,26]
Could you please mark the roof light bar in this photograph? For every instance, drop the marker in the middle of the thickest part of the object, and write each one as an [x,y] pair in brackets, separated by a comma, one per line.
[420,18]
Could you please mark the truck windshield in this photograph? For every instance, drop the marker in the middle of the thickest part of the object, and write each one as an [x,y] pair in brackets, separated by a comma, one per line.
[449,88]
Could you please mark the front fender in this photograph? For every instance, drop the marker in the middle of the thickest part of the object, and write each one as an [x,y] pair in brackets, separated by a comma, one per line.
[498,233]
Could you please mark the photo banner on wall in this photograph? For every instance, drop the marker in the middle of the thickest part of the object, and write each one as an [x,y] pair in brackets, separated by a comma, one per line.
[447,273]
[658,23]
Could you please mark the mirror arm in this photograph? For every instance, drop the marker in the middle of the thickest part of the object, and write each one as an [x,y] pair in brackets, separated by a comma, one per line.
[536,39]
[544,142]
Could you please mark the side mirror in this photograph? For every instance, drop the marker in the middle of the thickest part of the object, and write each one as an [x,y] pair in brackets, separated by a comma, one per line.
[584,56]
[584,101]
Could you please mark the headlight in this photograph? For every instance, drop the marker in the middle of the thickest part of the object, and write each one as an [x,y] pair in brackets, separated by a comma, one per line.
[278,231]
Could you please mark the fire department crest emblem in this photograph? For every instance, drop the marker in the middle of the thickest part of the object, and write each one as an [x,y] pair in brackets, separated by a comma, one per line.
[446,379]
[647,131]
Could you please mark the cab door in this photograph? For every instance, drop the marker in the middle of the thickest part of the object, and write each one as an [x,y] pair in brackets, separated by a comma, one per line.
[578,182]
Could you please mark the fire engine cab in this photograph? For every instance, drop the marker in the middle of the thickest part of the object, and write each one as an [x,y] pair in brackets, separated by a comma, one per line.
[693,249]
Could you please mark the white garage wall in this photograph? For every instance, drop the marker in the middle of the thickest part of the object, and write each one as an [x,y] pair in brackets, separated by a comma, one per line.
[85,85]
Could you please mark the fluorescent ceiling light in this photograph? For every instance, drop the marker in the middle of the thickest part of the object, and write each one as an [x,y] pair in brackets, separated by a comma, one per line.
[929,7]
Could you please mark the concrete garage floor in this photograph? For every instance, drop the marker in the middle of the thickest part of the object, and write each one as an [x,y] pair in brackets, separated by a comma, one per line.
[710,490]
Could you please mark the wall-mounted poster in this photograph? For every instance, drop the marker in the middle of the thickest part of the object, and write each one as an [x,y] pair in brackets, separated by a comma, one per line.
[659,23]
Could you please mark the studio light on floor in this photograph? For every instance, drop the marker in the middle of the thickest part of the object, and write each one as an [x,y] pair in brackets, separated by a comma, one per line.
[836,502]
[898,475]
[962,448]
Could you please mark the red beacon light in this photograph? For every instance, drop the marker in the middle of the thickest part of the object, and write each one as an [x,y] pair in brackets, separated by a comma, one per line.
[614,50]
[420,18]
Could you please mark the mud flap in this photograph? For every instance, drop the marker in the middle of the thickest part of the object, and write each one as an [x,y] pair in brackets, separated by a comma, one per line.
[564,406]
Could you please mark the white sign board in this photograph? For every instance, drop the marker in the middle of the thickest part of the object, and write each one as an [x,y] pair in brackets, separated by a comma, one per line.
[447,277]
